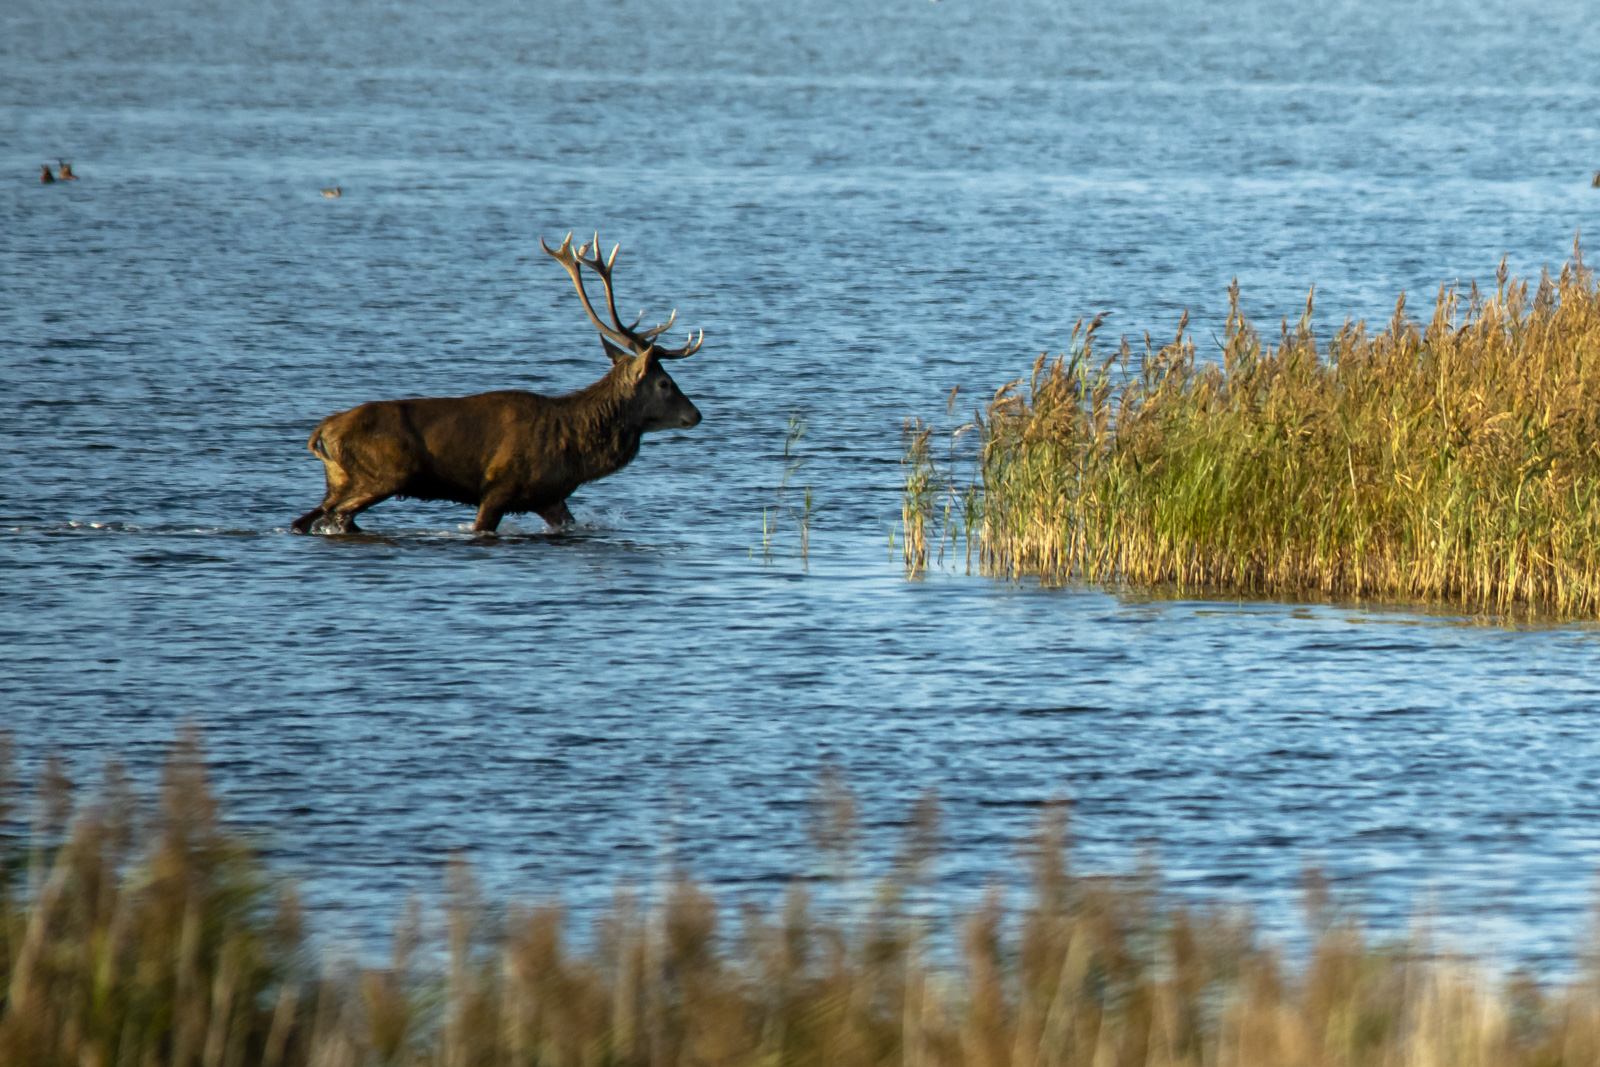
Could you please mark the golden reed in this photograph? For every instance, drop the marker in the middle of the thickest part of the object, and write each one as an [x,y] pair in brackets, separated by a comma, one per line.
[129,941]
[1456,460]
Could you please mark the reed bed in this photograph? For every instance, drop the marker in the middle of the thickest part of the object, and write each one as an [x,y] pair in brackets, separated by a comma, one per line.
[144,940]
[1455,460]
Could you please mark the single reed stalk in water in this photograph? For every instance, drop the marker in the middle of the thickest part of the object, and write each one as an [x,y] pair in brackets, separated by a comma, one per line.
[161,941]
[1454,460]
[917,508]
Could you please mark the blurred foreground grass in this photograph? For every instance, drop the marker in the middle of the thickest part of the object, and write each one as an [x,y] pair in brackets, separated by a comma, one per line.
[1456,460]
[129,939]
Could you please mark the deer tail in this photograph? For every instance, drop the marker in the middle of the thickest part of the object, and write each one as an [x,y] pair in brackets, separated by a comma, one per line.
[315,443]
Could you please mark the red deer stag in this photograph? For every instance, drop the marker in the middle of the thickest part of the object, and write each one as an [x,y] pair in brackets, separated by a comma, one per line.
[508,451]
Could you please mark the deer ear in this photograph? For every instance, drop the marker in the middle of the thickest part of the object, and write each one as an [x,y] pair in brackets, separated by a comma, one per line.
[617,354]
[642,365]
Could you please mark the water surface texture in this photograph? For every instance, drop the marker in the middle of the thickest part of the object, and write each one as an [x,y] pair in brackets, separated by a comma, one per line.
[863,205]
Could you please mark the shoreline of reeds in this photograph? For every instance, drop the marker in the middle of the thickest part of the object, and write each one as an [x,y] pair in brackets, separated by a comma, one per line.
[1455,461]
[150,935]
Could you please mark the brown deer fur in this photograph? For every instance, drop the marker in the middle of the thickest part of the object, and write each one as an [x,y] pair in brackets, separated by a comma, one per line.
[505,452]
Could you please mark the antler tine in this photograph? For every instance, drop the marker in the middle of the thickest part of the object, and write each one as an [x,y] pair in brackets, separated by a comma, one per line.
[688,349]
[594,261]
[656,331]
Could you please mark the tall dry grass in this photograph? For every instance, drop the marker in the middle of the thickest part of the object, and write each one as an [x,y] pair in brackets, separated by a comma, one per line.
[1454,460]
[143,941]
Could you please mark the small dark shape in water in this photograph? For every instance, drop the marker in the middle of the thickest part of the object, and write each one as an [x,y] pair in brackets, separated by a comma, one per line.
[46,177]
[335,191]
[1596,182]
[66,171]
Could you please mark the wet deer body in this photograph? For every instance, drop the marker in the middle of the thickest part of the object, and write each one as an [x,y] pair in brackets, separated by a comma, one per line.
[510,451]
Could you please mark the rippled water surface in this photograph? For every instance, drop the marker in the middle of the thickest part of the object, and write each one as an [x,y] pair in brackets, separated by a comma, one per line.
[864,205]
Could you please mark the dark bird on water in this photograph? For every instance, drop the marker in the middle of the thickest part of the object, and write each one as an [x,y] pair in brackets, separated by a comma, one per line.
[66,171]
[1596,182]
[46,177]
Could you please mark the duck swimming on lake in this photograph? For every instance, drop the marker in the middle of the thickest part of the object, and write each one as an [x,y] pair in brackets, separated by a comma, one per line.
[46,177]
[332,192]
[66,171]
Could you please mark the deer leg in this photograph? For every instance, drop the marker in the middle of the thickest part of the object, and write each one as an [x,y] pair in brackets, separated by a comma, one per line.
[341,523]
[305,522]
[557,515]
[491,511]
[342,518]
[337,484]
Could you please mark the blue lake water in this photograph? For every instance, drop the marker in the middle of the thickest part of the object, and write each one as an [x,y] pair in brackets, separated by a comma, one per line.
[863,206]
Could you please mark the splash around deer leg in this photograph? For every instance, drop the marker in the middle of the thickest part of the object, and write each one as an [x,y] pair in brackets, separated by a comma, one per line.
[328,518]
[557,515]
[319,521]
[308,522]
[490,512]
[338,516]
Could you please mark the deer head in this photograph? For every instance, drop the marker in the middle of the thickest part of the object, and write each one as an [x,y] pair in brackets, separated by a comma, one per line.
[634,353]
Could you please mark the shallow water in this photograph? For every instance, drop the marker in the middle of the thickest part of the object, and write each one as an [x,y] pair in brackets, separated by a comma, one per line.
[864,206]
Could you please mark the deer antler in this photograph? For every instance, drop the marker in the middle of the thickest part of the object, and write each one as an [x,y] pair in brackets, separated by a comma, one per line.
[635,340]
[603,268]
[565,256]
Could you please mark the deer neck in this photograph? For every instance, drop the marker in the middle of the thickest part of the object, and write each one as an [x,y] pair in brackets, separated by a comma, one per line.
[608,429]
